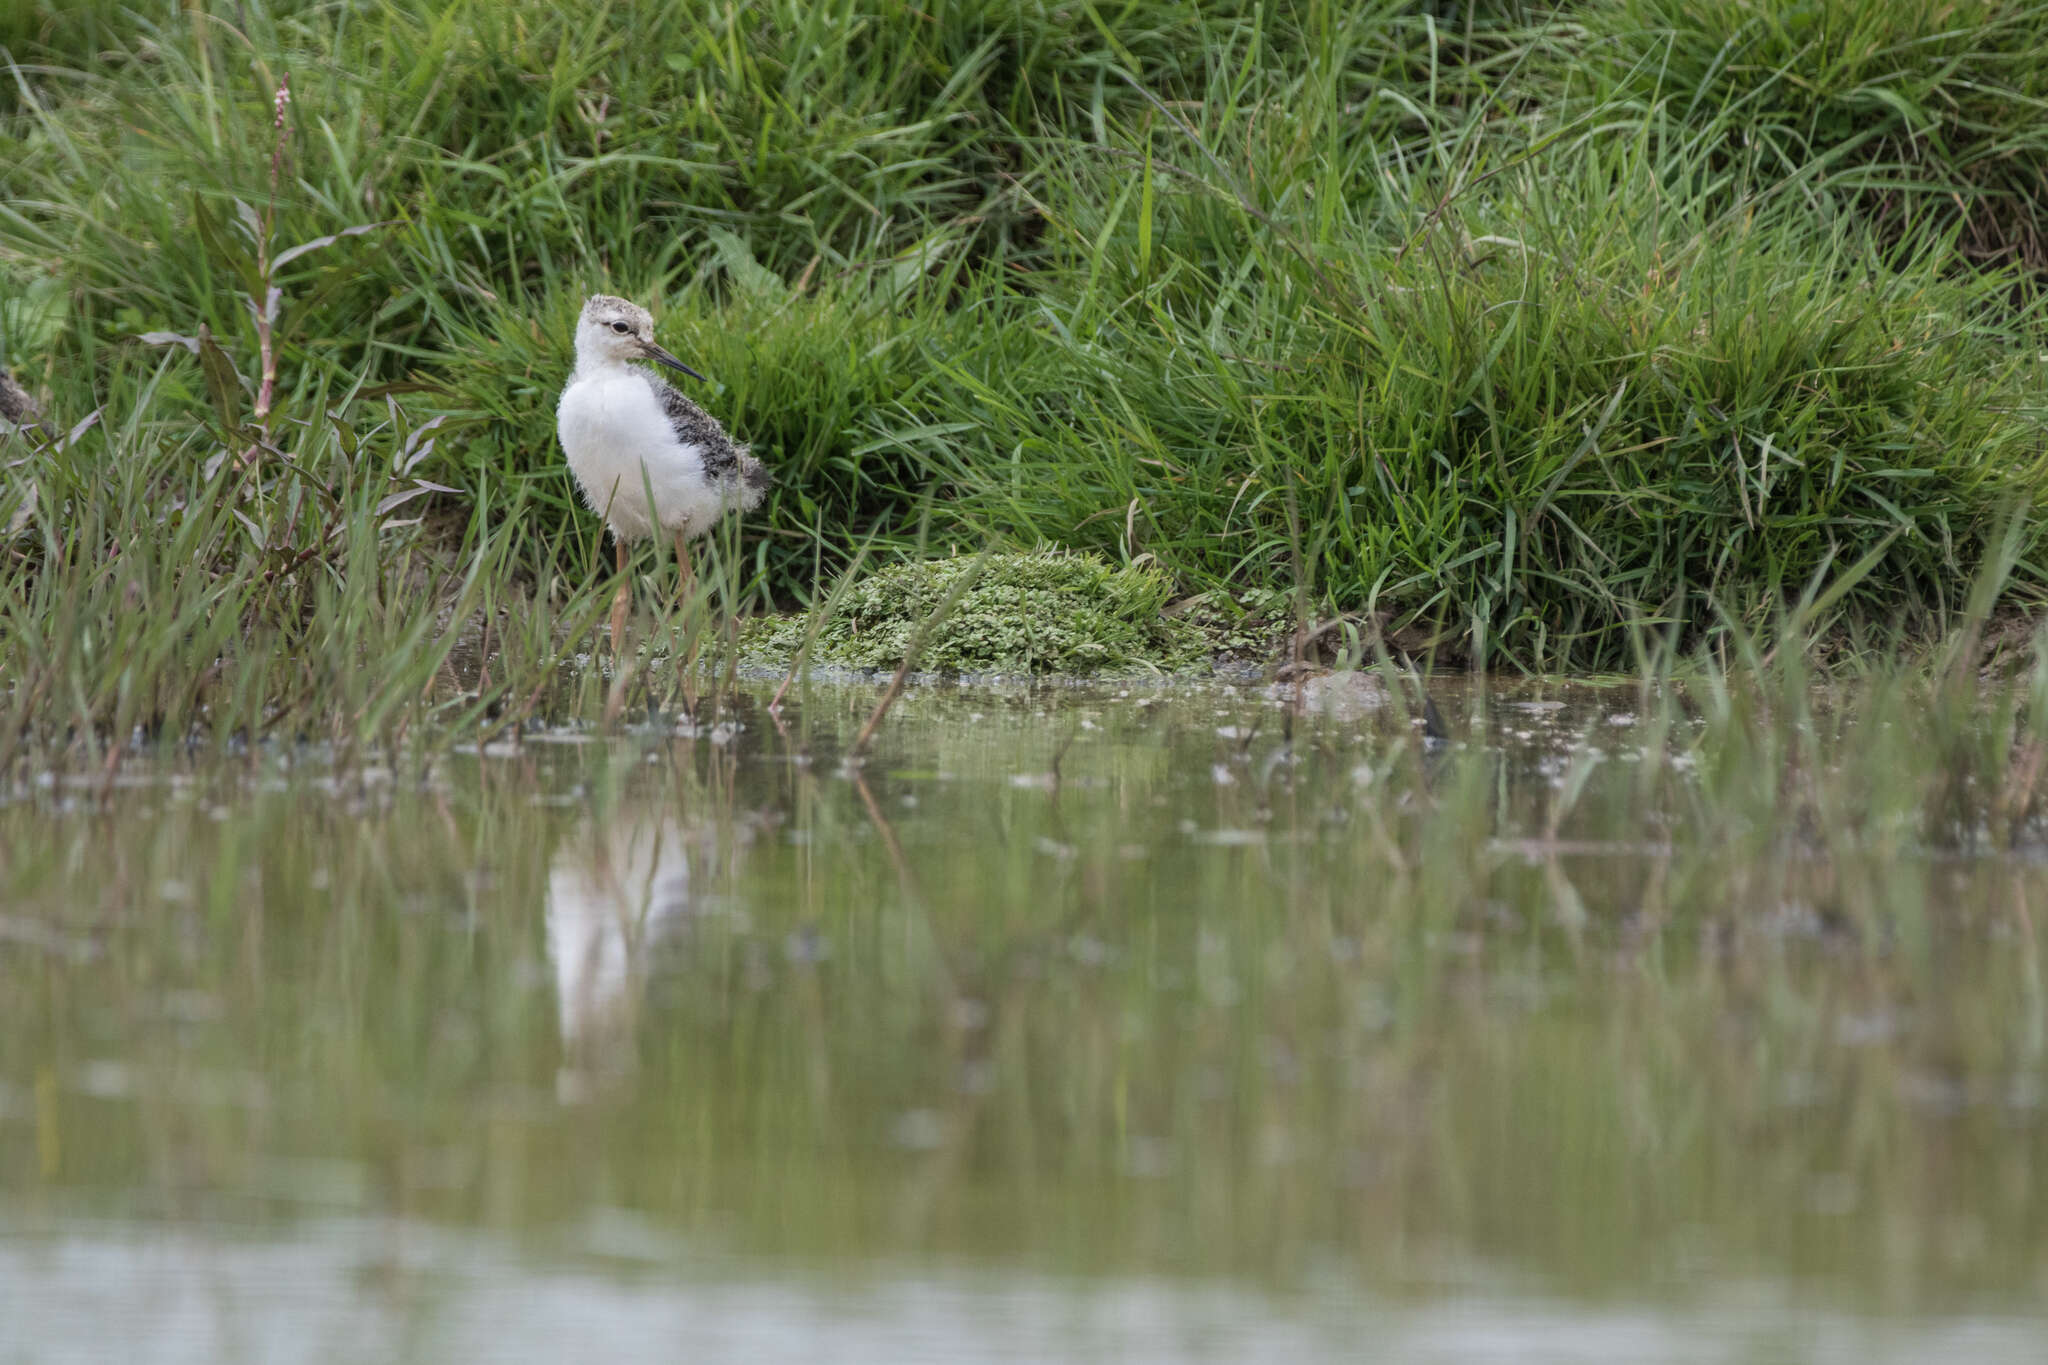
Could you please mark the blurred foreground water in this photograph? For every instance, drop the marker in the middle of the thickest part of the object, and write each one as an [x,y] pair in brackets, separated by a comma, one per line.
[1077,1023]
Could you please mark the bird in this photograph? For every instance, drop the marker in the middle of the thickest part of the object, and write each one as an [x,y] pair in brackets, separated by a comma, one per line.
[646,458]
[17,408]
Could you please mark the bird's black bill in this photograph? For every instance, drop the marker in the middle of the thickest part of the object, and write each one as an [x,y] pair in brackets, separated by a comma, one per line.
[661,357]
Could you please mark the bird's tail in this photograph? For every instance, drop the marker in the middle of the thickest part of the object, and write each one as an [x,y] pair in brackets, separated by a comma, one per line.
[754,482]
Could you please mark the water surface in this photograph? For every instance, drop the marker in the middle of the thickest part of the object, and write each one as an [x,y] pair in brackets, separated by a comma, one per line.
[1105,1023]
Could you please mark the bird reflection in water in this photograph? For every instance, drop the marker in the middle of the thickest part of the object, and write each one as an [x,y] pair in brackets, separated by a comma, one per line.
[620,893]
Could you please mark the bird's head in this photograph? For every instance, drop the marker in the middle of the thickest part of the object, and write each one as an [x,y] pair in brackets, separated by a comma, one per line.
[611,330]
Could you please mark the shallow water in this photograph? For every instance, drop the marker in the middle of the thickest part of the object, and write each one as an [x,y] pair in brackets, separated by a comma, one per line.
[1100,1023]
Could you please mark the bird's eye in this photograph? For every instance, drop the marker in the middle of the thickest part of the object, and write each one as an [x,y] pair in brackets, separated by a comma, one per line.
[621,328]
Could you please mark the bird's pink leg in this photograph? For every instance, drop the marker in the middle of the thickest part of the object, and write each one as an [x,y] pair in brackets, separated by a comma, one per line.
[685,580]
[620,600]
[686,577]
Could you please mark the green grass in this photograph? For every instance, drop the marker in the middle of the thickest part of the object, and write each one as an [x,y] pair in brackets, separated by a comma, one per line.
[1908,115]
[1523,334]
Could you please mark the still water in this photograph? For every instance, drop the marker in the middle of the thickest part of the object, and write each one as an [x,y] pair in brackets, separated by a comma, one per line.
[1075,1023]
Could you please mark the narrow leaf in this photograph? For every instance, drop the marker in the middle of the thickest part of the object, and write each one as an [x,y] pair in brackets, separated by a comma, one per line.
[1145,217]
[345,434]
[292,253]
[86,423]
[24,511]
[255,531]
[412,438]
[419,489]
[221,249]
[222,382]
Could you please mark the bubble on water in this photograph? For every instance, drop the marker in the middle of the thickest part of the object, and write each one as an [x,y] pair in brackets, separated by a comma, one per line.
[1833,1195]
[1088,950]
[806,946]
[1866,1030]
[193,1007]
[1373,1013]
[105,1080]
[1940,1095]
[623,1235]
[919,1130]
[497,748]
[1148,1158]
[1800,1090]
[573,1086]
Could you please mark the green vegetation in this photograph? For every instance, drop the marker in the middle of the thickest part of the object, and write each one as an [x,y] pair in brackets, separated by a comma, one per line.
[1529,333]
[1924,111]
[1020,613]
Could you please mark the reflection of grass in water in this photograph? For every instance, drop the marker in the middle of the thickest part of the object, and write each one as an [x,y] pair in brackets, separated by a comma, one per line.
[1365,1004]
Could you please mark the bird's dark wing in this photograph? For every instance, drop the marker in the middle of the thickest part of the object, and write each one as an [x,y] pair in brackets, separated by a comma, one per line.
[15,404]
[694,426]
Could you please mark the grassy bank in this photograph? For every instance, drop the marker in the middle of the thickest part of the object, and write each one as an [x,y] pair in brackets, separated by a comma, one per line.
[1525,333]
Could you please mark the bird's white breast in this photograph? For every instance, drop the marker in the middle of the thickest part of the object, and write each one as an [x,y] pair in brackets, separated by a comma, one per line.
[620,446]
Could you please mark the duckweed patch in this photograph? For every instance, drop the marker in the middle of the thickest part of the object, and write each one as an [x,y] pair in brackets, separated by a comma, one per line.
[1045,611]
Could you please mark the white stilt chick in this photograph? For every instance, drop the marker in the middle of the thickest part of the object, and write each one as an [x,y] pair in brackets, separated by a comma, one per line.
[648,460]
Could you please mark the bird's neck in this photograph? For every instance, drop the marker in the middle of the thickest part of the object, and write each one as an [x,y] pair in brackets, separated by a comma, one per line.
[599,367]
